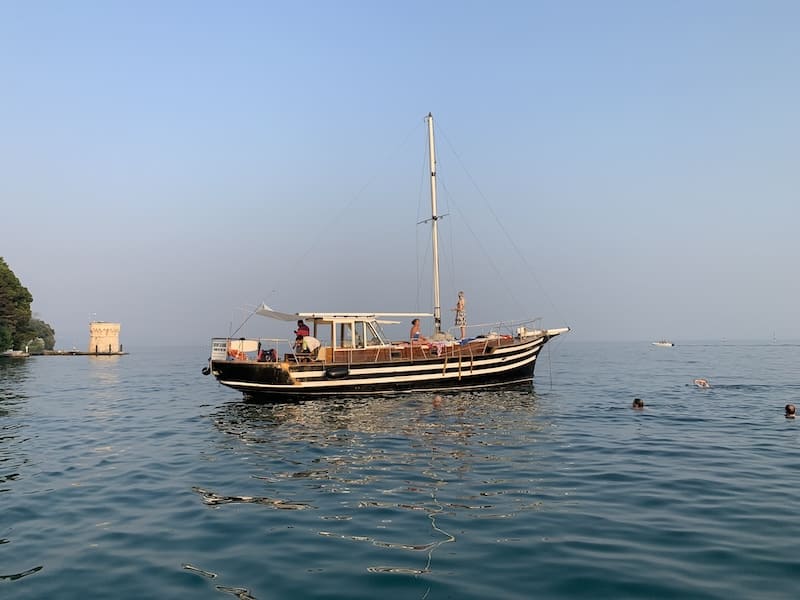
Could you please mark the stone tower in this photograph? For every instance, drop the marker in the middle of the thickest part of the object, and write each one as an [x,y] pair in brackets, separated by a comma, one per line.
[104,338]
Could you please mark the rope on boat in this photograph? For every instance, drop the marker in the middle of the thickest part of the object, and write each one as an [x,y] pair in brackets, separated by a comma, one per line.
[243,322]
[550,367]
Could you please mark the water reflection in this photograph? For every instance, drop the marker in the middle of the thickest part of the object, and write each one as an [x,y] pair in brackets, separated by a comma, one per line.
[371,468]
[445,415]
[14,373]
[104,370]
[213,499]
[104,390]
[15,576]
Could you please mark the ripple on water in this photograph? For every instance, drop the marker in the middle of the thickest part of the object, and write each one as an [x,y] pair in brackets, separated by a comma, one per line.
[143,479]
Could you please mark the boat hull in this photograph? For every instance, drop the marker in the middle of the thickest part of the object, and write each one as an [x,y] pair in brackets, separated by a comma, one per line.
[505,366]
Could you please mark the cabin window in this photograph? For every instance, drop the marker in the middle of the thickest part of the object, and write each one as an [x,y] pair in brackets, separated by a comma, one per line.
[359,334]
[373,334]
[323,331]
[350,335]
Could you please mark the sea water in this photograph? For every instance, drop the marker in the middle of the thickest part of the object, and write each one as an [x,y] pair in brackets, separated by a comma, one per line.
[137,477]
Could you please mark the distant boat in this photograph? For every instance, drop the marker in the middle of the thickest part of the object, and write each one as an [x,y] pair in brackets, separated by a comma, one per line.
[14,354]
[352,355]
[663,344]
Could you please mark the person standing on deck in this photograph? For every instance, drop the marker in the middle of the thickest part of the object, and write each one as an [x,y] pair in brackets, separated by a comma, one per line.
[299,333]
[461,314]
[302,329]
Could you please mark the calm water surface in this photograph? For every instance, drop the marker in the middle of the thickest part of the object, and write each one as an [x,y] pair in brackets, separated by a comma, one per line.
[137,477]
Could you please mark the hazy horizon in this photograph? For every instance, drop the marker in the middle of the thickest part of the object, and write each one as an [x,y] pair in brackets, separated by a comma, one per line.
[625,169]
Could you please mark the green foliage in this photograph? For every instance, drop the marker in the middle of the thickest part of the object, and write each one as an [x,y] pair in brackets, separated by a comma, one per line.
[6,341]
[41,330]
[16,325]
[35,346]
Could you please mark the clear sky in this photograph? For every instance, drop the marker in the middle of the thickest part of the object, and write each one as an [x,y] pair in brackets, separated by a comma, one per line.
[626,168]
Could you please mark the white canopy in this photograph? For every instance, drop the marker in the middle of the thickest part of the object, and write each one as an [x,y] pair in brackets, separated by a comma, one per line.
[266,311]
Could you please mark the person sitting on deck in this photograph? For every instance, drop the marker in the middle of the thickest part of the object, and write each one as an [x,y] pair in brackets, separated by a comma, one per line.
[415,334]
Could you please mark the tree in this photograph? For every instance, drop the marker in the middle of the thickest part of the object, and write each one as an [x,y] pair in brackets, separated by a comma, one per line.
[16,325]
[6,340]
[41,330]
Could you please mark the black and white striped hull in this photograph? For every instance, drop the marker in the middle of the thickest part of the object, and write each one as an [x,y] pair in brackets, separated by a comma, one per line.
[508,365]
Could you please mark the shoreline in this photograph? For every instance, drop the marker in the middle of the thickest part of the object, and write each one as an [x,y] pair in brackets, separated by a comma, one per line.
[78,353]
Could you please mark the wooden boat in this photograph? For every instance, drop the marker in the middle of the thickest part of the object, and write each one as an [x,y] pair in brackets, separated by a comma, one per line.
[351,354]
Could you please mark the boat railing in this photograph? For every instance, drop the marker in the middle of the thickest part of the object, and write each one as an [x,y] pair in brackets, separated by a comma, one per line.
[263,350]
[250,349]
[503,328]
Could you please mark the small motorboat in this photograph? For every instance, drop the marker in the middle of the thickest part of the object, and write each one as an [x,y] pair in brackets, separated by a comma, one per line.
[702,383]
[663,344]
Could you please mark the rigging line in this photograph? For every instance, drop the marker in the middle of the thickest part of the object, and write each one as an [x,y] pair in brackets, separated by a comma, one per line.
[550,349]
[424,260]
[448,232]
[486,255]
[451,238]
[243,322]
[326,224]
[508,325]
[451,258]
[500,224]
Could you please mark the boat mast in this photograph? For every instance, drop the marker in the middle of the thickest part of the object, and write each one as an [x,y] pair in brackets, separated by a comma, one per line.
[437,309]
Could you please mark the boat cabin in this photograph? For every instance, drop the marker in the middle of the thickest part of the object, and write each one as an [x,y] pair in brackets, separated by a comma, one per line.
[342,338]
[346,333]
